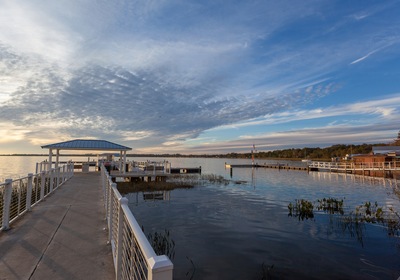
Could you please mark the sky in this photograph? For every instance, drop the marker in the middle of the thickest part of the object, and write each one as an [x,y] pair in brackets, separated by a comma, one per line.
[195,77]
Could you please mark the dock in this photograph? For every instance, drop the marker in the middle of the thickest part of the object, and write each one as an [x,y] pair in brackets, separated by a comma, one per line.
[378,169]
[274,166]
[64,237]
[375,169]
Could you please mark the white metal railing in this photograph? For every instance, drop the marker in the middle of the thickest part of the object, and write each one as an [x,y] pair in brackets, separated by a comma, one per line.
[18,196]
[388,165]
[133,256]
[162,166]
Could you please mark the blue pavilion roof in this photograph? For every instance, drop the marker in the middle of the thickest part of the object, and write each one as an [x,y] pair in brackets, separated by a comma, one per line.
[80,144]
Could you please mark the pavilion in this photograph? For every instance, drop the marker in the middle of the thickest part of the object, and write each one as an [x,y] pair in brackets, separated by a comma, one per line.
[87,145]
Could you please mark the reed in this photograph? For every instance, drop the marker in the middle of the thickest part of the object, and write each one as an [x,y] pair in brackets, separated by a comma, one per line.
[353,222]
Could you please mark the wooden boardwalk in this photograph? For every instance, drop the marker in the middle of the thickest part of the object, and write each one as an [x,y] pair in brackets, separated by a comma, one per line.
[62,237]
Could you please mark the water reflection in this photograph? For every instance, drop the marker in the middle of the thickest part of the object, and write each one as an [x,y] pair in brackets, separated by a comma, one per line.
[138,197]
[337,177]
[242,231]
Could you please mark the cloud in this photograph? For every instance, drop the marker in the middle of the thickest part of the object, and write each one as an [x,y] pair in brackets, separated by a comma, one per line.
[376,109]
[156,74]
[309,137]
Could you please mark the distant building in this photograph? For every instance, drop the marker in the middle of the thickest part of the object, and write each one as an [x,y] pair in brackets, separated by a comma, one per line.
[386,150]
[372,158]
[379,154]
[383,162]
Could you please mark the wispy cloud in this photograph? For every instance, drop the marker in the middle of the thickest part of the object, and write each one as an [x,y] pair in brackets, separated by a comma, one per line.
[155,74]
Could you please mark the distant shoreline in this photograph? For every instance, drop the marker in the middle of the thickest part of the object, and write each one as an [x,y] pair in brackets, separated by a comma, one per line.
[294,154]
[159,156]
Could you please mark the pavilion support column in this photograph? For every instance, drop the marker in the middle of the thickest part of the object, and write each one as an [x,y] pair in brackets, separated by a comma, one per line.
[57,158]
[57,170]
[120,161]
[124,162]
[50,158]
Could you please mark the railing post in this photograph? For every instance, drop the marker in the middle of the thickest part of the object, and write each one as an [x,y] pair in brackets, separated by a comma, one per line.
[57,174]
[110,211]
[63,177]
[160,268]
[118,262]
[42,184]
[6,205]
[51,175]
[29,192]
[69,170]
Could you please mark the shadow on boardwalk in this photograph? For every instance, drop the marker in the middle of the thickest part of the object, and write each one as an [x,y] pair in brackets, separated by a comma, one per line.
[62,237]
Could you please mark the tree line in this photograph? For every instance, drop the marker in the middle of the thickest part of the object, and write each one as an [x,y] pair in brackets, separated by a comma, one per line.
[334,151]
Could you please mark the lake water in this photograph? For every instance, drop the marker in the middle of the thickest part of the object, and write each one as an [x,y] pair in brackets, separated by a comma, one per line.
[243,231]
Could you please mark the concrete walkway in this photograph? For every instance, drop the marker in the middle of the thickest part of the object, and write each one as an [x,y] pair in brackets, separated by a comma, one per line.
[62,237]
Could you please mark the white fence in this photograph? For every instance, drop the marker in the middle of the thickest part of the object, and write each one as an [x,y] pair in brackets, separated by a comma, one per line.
[161,166]
[18,196]
[133,256]
[389,165]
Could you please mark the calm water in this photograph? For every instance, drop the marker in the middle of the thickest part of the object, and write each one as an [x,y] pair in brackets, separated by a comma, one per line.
[243,231]
[13,167]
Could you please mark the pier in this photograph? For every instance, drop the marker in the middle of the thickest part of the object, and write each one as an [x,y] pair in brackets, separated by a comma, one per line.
[58,224]
[377,169]
[63,237]
[274,166]
[388,169]
[79,228]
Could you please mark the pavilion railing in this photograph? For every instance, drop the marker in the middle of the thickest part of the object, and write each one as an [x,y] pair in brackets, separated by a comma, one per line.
[133,256]
[18,196]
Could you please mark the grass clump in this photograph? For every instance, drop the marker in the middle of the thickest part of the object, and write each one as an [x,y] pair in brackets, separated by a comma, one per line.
[303,209]
[173,182]
[331,205]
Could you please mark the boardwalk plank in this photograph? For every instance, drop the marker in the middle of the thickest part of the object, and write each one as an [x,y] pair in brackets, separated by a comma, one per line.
[62,237]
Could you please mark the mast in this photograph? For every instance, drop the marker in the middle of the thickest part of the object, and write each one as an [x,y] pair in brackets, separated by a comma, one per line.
[252,154]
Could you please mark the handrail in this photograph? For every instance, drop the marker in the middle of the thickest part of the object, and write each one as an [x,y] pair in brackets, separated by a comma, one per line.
[133,256]
[18,196]
[387,165]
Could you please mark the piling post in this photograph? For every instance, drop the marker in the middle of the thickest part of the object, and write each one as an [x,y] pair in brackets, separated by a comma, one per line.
[6,205]
[29,192]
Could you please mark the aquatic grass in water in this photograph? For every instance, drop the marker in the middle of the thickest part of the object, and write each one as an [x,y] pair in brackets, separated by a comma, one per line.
[303,209]
[173,182]
[330,205]
[162,243]
[353,222]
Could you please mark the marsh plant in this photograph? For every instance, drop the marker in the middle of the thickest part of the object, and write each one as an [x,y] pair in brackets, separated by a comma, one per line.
[353,222]
[198,180]
[302,209]
[266,271]
[162,243]
[331,205]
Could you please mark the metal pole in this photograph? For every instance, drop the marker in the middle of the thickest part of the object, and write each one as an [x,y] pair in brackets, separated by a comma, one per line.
[51,175]
[6,205]
[29,193]
[118,262]
[42,184]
